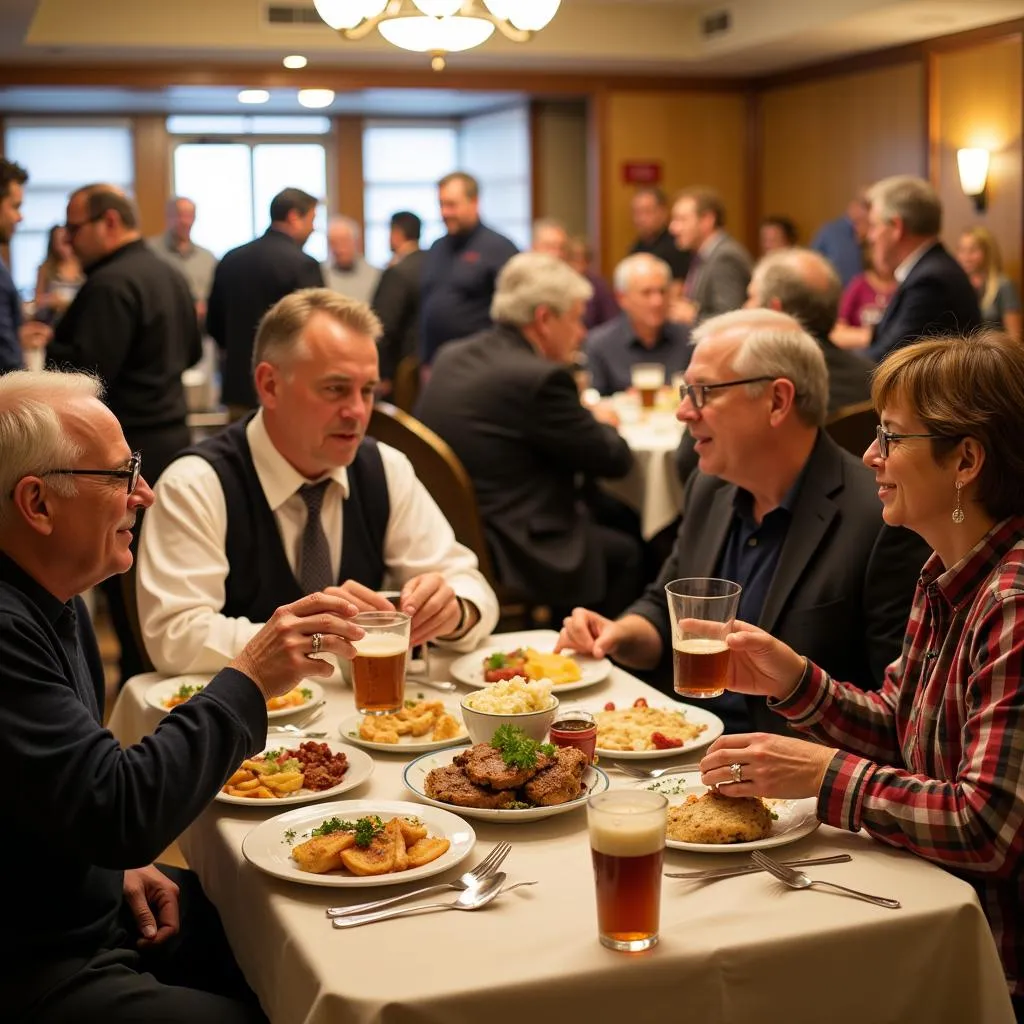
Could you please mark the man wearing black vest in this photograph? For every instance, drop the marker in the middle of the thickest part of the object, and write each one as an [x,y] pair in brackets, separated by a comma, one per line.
[295,499]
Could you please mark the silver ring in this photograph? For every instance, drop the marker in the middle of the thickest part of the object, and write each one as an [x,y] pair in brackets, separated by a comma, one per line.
[736,770]
[318,642]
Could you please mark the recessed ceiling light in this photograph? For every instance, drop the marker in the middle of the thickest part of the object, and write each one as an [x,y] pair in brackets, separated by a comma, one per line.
[316,98]
[253,96]
[295,61]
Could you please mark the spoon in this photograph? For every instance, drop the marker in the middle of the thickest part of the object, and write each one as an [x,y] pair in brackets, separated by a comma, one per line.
[470,899]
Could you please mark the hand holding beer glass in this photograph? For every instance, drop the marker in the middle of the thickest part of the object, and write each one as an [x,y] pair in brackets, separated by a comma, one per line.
[627,844]
[702,613]
[378,669]
[648,379]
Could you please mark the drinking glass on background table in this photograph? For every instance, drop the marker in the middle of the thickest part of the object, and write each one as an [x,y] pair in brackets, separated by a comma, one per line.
[378,669]
[627,844]
[648,379]
[700,655]
[577,728]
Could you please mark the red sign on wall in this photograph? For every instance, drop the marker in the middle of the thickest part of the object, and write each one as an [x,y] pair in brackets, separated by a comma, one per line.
[641,172]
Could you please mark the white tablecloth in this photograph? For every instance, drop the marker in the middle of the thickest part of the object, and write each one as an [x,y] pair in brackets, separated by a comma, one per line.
[731,952]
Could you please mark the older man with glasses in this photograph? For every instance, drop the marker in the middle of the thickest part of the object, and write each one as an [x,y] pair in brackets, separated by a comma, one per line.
[777,507]
[93,931]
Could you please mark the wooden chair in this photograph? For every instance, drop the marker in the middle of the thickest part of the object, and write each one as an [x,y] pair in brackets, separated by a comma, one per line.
[853,427]
[406,385]
[448,483]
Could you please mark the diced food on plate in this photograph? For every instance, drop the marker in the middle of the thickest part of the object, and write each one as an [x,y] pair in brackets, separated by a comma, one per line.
[417,719]
[279,773]
[644,728]
[531,664]
[515,696]
[292,699]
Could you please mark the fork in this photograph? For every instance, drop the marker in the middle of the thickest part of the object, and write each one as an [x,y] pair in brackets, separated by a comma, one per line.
[487,867]
[798,880]
[653,773]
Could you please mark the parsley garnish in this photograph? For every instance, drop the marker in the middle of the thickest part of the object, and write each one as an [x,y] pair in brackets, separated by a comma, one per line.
[185,691]
[365,828]
[289,836]
[410,703]
[497,660]
[306,693]
[518,805]
[516,748]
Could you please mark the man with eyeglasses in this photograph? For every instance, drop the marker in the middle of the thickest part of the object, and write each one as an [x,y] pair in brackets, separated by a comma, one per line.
[777,507]
[92,929]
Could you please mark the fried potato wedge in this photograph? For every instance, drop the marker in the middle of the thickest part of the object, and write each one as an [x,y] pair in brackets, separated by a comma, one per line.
[423,851]
[412,831]
[394,829]
[323,853]
[376,859]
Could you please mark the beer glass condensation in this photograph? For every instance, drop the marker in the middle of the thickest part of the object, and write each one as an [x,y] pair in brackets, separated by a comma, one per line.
[627,844]
[702,613]
[648,379]
[378,669]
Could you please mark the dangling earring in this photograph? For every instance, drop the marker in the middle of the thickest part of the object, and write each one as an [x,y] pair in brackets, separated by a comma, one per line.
[958,512]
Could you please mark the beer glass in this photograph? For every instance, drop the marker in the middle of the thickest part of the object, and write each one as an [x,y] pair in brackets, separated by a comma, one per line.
[378,669]
[627,844]
[648,379]
[700,655]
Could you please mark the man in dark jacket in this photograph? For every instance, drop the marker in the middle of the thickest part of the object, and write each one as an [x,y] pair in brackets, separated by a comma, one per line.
[249,280]
[506,403]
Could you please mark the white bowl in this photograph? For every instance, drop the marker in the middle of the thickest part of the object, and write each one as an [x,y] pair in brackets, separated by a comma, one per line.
[481,725]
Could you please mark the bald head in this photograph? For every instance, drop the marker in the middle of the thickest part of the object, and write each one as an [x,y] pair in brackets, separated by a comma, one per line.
[801,283]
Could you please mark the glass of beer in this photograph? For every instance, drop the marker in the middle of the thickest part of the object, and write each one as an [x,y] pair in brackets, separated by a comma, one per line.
[378,669]
[648,379]
[702,613]
[627,843]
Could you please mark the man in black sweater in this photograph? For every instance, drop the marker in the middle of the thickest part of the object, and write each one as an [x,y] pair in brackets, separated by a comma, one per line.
[92,930]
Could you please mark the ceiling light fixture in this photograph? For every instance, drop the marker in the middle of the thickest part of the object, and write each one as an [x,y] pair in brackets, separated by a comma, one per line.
[295,61]
[253,96]
[315,99]
[437,27]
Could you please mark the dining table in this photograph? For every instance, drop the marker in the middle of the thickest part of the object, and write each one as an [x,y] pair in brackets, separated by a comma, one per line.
[741,950]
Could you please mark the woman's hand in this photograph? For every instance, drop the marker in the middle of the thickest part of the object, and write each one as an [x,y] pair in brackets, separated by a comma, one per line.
[762,665]
[770,765]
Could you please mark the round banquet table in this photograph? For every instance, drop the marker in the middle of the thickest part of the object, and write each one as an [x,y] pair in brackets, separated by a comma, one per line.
[734,951]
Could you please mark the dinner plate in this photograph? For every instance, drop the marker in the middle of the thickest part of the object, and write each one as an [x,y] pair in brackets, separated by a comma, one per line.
[469,669]
[694,715]
[415,774]
[165,688]
[796,818]
[267,846]
[349,731]
[360,768]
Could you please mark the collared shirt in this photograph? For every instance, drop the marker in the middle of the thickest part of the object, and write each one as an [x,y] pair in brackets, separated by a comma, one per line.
[356,282]
[179,611]
[195,262]
[907,265]
[613,348]
[933,763]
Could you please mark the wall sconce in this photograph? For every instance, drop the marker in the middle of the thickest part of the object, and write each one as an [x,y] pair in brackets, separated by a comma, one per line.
[973,167]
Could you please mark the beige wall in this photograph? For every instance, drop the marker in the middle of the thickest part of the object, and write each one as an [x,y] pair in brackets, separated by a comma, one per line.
[560,153]
[978,99]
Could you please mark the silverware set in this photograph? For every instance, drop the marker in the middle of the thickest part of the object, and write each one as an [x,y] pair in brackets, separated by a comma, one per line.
[297,727]
[750,869]
[798,880]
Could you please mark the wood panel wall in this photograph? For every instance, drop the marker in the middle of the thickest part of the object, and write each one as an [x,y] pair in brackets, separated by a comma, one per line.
[821,141]
[152,151]
[699,138]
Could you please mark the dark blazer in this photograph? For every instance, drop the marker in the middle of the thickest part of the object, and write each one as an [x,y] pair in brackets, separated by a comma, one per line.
[844,582]
[936,298]
[397,303]
[248,281]
[515,421]
[722,278]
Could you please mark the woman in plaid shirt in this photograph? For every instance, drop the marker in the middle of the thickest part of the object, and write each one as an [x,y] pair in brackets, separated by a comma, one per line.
[934,761]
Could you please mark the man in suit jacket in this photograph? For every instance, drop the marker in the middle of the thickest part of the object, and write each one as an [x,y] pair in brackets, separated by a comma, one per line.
[249,280]
[397,299]
[506,403]
[780,509]
[934,296]
[720,270]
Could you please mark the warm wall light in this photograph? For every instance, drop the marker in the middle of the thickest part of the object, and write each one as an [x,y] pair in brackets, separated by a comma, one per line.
[973,167]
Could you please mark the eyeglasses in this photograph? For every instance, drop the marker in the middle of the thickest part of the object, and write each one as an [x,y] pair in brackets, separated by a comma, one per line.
[698,393]
[131,474]
[885,437]
[72,229]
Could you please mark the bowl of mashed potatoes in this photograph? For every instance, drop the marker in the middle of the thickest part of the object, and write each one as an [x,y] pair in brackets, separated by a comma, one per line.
[528,704]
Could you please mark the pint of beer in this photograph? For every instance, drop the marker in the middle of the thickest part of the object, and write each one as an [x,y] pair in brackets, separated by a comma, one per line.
[378,669]
[702,612]
[627,844]
[648,379]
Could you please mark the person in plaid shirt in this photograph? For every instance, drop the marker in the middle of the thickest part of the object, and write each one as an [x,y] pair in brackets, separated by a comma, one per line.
[934,761]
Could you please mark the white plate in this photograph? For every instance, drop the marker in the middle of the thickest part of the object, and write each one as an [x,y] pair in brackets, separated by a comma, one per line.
[469,669]
[797,818]
[267,848]
[161,691]
[694,715]
[415,774]
[349,732]
[360,768]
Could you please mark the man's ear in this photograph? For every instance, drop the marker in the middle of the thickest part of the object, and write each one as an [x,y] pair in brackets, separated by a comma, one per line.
[266,380]
[783,394]
[30,503]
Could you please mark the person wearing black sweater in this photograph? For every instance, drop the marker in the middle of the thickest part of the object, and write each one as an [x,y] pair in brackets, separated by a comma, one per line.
[92,930]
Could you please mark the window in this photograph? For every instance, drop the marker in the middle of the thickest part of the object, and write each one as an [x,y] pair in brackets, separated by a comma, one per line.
[59,158]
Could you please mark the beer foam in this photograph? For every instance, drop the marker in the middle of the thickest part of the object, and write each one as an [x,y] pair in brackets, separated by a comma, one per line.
[700,645]
[628,835]
[381,645]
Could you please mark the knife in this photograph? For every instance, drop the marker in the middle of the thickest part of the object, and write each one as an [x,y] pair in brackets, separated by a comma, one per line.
[748,869]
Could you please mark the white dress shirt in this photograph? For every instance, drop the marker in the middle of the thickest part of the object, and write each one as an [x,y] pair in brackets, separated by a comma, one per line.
[183,562]
[907,265]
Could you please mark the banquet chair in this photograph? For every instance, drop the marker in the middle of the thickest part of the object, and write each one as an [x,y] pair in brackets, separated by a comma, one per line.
[853,427]
[445,478]
[406,385]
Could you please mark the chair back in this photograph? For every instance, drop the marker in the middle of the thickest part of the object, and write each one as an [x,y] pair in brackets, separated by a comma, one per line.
[406,385]
[853,427]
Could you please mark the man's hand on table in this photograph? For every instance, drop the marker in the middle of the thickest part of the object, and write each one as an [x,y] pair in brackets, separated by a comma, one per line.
[590,634]
[153,900]
[433,605]
[774,766]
